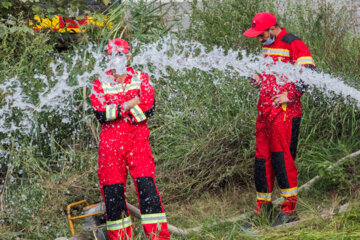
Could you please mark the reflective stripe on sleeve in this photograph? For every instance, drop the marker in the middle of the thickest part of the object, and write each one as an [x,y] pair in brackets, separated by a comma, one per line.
[305,60]
[289,192]
[153,218]
[111,112]
[138,113]
[263,196]
[276,51]
[118,224]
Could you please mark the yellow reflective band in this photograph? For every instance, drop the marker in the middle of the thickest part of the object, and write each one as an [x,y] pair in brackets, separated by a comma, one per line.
[108,88]
[263,196]
[135,82]
[118,224]
[153,218]
[136,78]
[110,112]
[276,51]
[305,60]
[133,86]
[138,113]
[264,199]
[289,192]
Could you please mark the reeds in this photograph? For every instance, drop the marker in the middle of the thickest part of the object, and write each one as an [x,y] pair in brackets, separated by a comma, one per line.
[203,133]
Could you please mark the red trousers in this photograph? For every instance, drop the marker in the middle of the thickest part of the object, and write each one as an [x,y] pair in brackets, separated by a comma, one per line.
[131,151]
[276,144]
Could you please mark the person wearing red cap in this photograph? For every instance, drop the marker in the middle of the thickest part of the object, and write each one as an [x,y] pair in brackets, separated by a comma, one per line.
[278,121]
[122,102]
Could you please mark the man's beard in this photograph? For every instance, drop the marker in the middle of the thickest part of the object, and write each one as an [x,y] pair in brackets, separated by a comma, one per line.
[270,36]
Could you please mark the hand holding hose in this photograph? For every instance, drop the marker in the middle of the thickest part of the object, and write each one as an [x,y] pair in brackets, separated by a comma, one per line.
[255,81]
[280,99]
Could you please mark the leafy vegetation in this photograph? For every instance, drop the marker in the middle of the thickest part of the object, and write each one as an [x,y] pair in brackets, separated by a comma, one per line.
[26,9]
[202,135]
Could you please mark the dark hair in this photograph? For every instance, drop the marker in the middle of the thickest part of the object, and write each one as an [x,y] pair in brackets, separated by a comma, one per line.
[276,25]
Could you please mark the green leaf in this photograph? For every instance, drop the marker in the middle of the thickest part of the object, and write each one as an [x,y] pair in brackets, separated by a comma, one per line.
[3,30]
[106,2]
[27,29]
[13,29]
[10,22]
[51,10]
[6,4]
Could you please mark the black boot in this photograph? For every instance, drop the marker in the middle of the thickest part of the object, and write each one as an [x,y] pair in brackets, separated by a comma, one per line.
[265,216]
[284,218]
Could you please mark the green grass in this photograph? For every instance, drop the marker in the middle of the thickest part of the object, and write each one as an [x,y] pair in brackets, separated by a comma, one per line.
[202,136]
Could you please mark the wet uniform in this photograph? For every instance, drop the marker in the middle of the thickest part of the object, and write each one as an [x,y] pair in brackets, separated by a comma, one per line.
[124,144]
[277,128]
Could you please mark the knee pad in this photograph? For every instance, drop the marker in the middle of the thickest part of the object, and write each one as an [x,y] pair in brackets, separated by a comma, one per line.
[149,198]
[260,175]
[278,163]
[115,202]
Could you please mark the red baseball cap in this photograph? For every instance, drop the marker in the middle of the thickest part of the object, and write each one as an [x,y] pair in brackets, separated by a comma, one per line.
[260,23]
[120,46]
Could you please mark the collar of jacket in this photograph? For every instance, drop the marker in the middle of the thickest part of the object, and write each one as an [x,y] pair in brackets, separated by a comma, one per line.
[278,37]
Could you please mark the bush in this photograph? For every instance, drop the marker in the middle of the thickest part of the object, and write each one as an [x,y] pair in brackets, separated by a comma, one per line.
[222,23]
[203,133]
[325,29]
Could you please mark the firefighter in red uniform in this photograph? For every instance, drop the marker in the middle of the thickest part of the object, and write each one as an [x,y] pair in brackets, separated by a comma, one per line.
[278,121]
[122,103]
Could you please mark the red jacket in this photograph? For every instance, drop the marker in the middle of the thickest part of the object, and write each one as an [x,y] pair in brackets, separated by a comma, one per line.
[108,98]
[289,49]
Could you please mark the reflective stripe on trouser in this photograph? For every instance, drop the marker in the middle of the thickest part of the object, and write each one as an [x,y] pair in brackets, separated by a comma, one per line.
[115,156]
[266,197]
[275,154]
[129,152]
[155,226]
[118,222]
[153,218]
[289,192]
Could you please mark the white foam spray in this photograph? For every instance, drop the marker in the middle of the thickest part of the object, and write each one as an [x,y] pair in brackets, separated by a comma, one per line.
[18,111]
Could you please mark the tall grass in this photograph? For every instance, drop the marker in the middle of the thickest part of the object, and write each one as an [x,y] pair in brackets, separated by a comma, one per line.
[203,133]
[223,22]
[327,30]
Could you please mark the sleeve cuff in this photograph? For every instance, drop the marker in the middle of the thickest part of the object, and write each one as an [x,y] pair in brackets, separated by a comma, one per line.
[137,113]
[121,113]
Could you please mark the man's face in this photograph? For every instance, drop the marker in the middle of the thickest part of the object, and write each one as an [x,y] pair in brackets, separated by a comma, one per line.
[263,37]
[118,63]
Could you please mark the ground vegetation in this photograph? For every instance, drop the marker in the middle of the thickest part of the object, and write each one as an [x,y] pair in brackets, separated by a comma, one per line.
[202,135]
